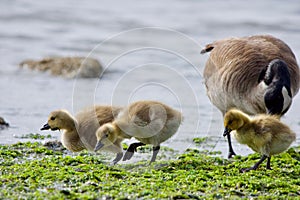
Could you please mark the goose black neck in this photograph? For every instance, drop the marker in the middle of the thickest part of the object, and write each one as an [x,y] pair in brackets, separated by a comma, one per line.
[278,94]
[277,73]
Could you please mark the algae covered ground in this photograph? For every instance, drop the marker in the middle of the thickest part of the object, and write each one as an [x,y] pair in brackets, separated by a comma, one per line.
[33,171]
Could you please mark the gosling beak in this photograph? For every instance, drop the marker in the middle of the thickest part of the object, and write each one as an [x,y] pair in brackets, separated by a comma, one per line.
[226,131]
[45,127]
[98,146]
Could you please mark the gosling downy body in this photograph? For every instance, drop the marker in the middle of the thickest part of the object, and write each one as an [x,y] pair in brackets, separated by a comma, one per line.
[78,133]
[150,122]
[263,133]
[256,74]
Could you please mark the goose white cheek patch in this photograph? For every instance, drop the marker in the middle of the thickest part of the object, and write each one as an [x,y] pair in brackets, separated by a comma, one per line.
[287,100]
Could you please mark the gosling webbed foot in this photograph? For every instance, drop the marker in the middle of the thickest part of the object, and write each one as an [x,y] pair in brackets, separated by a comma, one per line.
[128,155]
[117,158]
[264,157]
[131,149]
[243,170]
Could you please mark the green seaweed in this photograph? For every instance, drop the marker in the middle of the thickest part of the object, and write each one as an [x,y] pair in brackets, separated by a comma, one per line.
[199,140]
[32,171]
[35,136]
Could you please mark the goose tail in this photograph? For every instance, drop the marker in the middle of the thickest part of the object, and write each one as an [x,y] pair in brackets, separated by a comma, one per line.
[207,48]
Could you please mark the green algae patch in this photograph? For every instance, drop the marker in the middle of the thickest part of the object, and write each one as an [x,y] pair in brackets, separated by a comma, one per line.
[35,136]
[200,140]
[33,171]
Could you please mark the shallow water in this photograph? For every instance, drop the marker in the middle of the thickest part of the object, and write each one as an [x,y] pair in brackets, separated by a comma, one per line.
[160,63]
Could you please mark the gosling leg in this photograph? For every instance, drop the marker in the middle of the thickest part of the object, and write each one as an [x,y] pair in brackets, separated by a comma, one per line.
[231,152]
[255,166]
[155,152]
[269,163]
[117,158]
[131,149]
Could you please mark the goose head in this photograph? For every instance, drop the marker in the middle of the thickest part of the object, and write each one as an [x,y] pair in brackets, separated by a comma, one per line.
[106,136]
[278,95]
[59,119]
[233,120]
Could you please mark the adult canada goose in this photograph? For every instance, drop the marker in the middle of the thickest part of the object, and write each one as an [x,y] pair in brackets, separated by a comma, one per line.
[256,74]
[79,132]
[150,122]
[263,133]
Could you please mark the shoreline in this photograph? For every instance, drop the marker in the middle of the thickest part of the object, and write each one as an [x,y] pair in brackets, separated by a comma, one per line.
[31,170]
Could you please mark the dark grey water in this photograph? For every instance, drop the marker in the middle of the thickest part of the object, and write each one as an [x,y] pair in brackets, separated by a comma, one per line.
[161,63]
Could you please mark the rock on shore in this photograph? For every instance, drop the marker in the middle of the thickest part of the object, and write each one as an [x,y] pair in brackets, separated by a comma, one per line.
[69,67]
[3,123]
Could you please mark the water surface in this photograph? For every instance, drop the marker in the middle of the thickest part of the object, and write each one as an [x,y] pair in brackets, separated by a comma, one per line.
[160,63]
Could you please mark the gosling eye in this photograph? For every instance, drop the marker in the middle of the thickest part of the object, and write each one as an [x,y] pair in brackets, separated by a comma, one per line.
[106,135]
[230,122]
[52,118]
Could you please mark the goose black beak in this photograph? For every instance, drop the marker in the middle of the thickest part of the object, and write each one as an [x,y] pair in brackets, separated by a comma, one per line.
[45,127]
[98,146]
[226,131]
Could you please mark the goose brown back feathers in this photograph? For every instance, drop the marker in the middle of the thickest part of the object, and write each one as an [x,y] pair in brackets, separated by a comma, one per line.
[142,109]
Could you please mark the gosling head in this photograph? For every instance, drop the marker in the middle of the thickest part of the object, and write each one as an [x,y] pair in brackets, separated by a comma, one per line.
[106,136]
[59,119]
[233,120]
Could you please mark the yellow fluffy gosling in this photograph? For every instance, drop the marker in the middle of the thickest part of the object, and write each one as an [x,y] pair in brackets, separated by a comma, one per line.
[263,133]
[150,122]
[79,132]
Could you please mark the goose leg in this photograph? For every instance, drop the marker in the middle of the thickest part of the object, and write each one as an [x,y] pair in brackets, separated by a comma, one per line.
[264,157]
[155,152]
[231,152]
[131,149]
[117,158]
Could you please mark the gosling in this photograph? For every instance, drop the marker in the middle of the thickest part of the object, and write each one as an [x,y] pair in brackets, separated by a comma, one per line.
[256,74]
[263,133]
[150,122]
[79,132]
